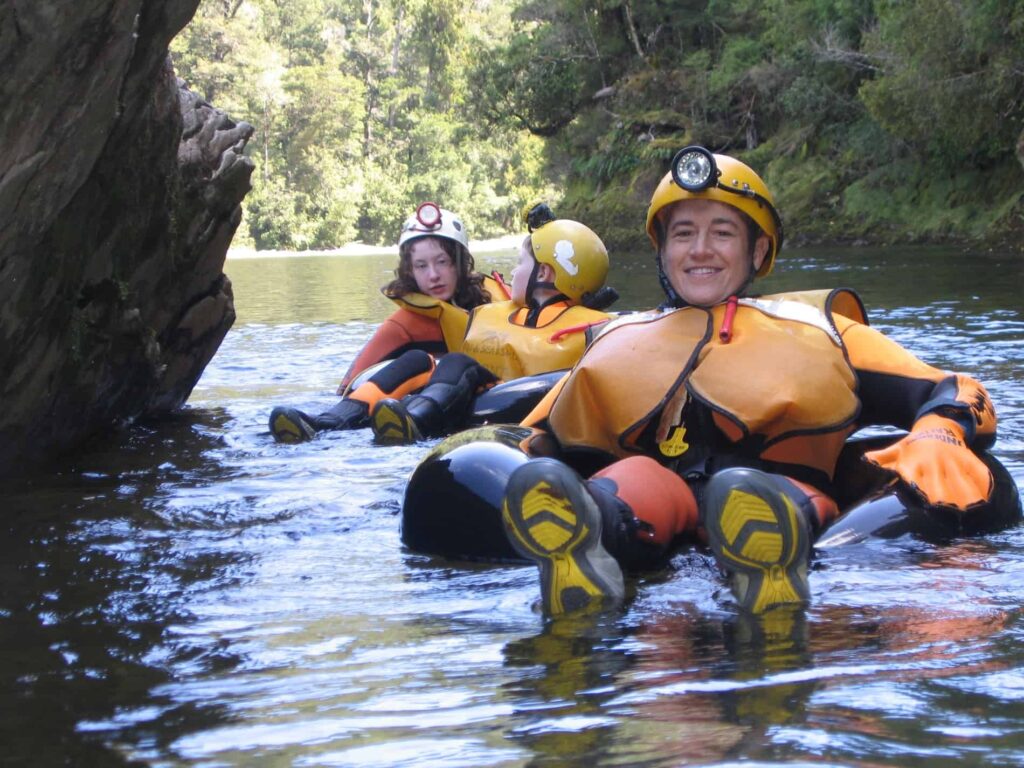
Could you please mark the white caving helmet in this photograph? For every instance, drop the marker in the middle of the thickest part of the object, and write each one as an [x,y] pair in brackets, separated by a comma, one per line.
[430,220]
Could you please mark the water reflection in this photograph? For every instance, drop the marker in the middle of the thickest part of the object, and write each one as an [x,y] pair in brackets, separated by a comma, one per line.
[89,583]
[192,593]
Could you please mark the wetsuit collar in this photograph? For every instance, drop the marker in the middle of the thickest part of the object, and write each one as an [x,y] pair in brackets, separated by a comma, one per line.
[534,309]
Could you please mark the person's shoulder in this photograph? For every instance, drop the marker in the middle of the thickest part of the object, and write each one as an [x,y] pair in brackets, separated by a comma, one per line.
[627,319]
[504,305]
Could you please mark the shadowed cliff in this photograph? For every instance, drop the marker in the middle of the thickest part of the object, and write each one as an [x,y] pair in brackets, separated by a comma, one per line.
[119,193]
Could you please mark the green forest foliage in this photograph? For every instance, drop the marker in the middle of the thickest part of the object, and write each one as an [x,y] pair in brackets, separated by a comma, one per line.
[362,110]
[887,120]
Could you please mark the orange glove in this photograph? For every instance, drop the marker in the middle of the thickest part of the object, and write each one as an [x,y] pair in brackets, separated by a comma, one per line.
[934,460]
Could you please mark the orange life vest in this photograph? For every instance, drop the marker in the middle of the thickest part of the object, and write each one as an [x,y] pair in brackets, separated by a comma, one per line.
[498,338]
[452,320]
[782,378]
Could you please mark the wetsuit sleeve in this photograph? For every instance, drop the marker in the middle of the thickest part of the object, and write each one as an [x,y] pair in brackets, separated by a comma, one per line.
[402,331]
[898,389]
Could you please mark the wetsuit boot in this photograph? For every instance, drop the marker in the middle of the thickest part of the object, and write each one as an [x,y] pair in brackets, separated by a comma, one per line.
[442,406]
[347,414]
[760,537]
[290,425]
[552,518]
[405,421]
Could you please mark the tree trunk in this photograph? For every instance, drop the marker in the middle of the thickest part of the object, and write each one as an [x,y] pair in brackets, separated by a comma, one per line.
[393,70]
[627,9]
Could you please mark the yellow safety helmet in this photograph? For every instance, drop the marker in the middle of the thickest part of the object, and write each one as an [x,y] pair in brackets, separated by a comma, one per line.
[698,174]
[576,253]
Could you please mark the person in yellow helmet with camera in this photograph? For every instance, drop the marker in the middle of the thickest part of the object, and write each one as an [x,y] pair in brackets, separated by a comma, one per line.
[721,416]
[557,287]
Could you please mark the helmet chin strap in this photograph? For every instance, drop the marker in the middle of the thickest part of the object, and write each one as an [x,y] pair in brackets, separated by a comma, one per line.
[751,274]
[666,285]
[533,283]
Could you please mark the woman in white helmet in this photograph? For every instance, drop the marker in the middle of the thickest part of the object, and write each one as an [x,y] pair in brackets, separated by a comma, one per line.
[557,297]
[435,286]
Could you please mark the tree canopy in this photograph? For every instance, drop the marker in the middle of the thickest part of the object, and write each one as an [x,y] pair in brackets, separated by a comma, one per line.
[882,119]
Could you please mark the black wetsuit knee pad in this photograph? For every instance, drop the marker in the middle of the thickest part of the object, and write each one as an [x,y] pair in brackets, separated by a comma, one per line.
[457,368]
[415,362]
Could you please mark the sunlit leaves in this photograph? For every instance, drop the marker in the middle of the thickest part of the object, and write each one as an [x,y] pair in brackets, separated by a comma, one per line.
[362,109]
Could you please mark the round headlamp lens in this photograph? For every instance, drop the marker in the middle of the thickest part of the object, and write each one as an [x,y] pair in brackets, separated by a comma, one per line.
[693,169]
[429,215]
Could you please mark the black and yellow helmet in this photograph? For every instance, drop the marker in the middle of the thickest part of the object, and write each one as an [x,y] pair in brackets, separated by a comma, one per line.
[576,253]
[697,174]
[573,250]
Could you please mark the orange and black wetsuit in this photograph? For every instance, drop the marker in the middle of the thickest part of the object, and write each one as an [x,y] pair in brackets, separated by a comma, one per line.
[778,390]
[420,323]
[420,330]
[402,331]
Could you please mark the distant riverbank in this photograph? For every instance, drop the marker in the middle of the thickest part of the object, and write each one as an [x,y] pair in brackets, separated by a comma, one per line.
[506,242]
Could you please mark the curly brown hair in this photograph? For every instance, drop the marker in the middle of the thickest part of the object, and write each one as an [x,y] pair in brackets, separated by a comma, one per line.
[469,289]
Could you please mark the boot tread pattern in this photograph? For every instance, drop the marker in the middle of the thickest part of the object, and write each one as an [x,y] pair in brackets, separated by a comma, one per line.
[551,520]
[764,546]
[288,426]
[392,425]
[552,523]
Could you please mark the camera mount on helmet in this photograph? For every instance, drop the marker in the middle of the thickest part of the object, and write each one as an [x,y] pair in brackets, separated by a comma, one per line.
[537,215]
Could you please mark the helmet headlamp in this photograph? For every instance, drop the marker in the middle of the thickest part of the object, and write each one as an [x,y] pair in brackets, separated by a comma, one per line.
[429,215]
[694,169]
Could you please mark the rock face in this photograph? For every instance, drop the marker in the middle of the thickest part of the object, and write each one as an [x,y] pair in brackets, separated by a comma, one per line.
[119,194]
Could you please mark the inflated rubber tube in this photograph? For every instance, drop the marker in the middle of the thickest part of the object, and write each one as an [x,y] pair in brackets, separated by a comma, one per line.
[506,403]
[452,505]
[510,401]
[888,509]
[364,376]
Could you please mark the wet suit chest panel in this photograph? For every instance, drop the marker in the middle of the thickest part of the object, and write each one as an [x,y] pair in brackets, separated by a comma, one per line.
[782,375]
[776,375]
[434,318]
[498,339]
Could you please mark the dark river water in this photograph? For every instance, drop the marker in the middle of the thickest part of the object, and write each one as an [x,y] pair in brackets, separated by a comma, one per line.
[191,593]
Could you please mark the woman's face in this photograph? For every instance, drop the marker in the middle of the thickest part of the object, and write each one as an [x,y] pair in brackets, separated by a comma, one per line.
[706,255]
[433,269]
[521,273]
